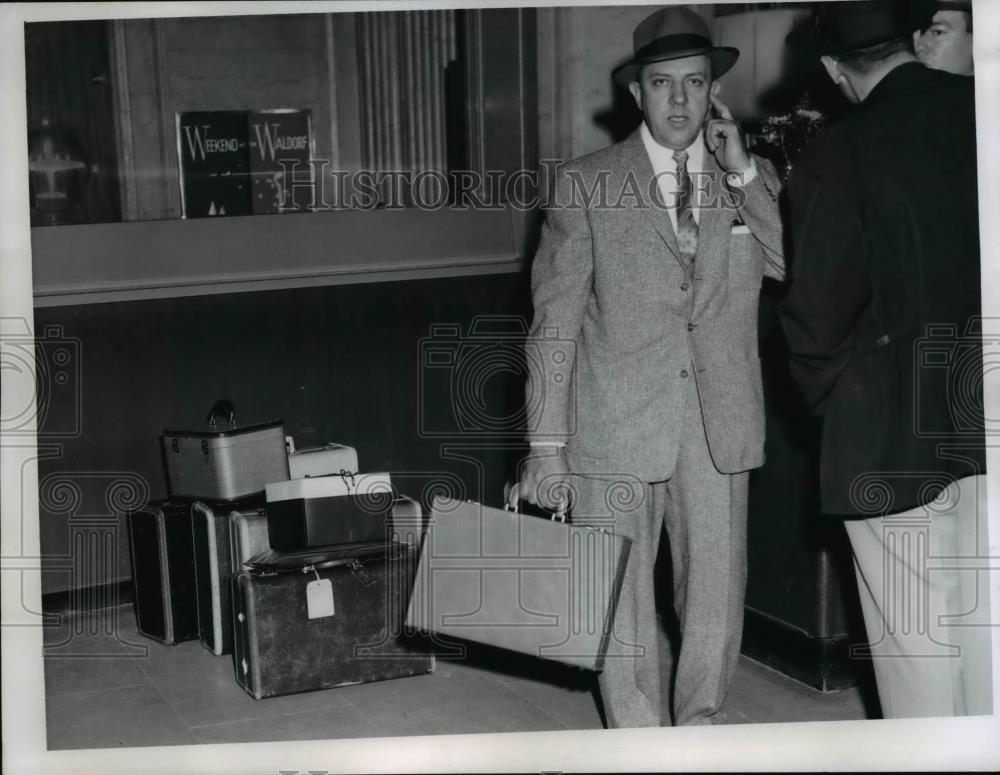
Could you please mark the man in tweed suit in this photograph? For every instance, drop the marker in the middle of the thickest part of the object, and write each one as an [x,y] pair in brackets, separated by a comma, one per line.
[649,268]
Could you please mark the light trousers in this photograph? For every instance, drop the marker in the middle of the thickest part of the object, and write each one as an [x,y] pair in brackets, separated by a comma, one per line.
[926,606]
[705,515]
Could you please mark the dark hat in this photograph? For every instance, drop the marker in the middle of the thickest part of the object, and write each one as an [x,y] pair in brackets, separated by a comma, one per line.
[673,33]
[848,26]
[954,5]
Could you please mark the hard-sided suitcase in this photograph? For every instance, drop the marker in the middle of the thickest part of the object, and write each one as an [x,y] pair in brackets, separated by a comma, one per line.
[248,530]
[306,621]
[322,461]
[247,536]
[223,460]
[213,569]
[161,554]
[518,582]
[323,510]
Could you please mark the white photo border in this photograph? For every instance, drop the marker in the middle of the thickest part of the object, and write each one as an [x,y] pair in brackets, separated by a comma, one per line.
[919,744]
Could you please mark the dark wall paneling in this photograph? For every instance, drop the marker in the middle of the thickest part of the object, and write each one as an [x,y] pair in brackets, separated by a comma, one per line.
[338,363]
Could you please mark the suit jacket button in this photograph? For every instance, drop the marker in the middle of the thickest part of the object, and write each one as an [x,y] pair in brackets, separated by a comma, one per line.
[690,326]
[685,286]
[684,374]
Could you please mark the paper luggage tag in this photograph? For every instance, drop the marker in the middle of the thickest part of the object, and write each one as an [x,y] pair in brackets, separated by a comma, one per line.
[319,598]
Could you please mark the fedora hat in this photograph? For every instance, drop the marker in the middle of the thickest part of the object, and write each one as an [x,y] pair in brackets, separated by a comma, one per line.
[842,27]
[673,33]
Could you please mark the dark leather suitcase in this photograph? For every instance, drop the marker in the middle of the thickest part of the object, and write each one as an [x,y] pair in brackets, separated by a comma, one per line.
[280,650]
[326,510]
[213,569]
[161,554]
[518,582]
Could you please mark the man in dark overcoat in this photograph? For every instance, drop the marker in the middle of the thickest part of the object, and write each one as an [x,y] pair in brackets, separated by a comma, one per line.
[884,329]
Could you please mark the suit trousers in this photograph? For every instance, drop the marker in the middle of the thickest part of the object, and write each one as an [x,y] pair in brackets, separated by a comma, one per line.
[926,606]
[704,512]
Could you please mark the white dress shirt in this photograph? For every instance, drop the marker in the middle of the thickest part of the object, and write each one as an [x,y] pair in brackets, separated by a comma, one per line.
[665,167]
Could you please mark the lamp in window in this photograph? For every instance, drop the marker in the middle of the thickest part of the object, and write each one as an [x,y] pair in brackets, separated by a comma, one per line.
[58,173]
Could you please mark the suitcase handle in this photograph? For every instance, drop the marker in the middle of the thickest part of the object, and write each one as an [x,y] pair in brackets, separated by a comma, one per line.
[266,563]
[223,408]
[512,500]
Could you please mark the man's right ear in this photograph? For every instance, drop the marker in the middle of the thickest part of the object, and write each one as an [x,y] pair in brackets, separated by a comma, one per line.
[832,69]
[636,93]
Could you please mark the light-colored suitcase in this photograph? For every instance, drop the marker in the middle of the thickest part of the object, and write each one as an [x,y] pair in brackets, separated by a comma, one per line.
[224,461]
[322,461]
[213,570]
[247,536]
[518,582]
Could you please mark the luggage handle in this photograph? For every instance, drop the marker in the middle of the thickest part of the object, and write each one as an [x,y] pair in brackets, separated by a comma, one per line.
[223,408]
[356,566]
[512,500]
[354,560]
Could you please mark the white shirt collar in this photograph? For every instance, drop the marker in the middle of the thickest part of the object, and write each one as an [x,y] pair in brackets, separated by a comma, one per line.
[662,158]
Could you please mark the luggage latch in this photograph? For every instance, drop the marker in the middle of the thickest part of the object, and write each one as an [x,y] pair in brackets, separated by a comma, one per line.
[359,572]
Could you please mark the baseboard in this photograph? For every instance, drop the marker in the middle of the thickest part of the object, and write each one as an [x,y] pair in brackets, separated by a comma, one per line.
[823,663]
[92,598]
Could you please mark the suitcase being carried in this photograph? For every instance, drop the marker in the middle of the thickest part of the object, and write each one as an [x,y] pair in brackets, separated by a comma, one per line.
[163,578]
[518,582]
[314,620]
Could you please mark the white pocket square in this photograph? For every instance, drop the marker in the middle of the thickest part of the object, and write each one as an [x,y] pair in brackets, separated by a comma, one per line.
[740,229]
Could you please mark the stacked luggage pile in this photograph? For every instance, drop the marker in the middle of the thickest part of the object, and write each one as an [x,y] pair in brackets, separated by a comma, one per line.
[293,562]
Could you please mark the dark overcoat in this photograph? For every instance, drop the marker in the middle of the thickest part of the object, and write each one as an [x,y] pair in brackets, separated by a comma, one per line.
[882,318]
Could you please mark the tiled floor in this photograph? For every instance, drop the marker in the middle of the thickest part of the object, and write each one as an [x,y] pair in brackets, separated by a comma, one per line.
[107,686]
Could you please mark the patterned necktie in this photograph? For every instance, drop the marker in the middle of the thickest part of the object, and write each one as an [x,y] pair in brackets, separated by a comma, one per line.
[687,229]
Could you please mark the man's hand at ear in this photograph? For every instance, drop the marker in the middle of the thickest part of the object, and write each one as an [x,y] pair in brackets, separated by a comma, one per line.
[725,141]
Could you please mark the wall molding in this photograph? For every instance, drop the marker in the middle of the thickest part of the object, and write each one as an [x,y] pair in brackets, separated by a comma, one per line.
[99,263]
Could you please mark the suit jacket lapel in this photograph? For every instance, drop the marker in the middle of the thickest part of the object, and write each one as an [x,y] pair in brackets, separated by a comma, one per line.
[636,161]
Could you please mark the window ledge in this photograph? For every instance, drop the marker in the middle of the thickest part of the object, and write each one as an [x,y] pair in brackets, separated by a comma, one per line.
[101,263]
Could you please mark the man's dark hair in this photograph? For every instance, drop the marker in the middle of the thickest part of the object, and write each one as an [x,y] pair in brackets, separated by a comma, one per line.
[864,60]
[968,20]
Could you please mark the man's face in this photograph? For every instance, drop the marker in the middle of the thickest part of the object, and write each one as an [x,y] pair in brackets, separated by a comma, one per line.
[947,43]
[674,98]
